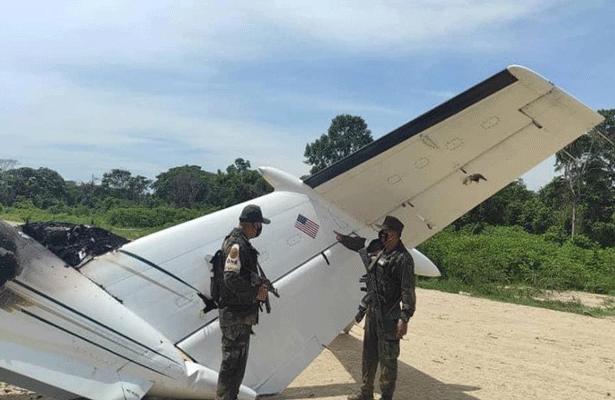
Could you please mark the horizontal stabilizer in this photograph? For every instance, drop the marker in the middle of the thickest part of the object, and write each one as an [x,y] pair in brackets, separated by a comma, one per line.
[437,167]
[62,378]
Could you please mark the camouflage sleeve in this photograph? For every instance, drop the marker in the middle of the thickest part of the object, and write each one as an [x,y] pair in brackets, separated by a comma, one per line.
[236,281]
[408,283]
[365,257]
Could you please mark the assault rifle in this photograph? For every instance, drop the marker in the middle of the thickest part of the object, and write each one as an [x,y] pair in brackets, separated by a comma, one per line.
[371,283]
[357,243]
[261,279]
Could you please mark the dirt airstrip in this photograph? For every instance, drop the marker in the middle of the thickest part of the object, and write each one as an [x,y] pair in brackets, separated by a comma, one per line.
[464,348]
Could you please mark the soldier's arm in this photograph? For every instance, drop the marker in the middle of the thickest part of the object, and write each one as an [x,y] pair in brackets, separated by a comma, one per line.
[365,257]
[408,283]
[234,280]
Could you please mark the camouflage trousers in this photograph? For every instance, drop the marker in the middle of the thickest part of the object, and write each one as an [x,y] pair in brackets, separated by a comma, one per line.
[380,346]
[235,346]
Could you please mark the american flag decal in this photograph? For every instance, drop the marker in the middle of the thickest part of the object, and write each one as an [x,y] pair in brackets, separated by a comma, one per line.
[307,226]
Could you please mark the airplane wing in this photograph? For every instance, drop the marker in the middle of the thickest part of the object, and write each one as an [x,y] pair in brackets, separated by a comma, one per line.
[440,165]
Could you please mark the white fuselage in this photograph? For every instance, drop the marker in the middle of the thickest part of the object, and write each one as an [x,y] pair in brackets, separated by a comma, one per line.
[127,313]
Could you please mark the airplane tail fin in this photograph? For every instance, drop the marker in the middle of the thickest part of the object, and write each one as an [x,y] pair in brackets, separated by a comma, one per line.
[435,168]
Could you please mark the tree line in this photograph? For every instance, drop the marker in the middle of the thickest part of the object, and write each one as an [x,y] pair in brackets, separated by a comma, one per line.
[185,186]
[578,204]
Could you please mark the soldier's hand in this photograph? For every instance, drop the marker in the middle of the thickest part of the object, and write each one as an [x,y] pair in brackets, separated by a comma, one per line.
[354,243]
[262,293]
[402,329]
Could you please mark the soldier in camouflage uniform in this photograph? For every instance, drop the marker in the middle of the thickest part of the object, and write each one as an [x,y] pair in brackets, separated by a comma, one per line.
[393,272]
[239,300]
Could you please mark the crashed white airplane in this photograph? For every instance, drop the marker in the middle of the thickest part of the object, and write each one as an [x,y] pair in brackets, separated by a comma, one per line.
[128,322]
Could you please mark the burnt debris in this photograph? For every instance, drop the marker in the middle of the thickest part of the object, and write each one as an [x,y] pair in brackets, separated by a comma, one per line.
[73,243]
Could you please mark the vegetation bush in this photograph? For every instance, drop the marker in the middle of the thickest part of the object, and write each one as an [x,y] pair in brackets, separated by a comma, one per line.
[500,256]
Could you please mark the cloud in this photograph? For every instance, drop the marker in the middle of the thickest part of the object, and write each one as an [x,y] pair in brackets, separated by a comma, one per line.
[153,84]
[170,30]
[331,105]
[52,121]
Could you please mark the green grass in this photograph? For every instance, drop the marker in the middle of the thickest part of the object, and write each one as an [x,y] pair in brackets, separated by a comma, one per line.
[128,233]
[521,295]
[92,219]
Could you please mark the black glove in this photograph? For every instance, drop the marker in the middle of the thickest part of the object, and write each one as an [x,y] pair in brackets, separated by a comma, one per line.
[359,317]
[354,243]
[210,304]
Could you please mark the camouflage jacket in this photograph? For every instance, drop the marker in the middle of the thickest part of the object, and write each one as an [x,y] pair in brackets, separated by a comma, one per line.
[238,295]
[395,282]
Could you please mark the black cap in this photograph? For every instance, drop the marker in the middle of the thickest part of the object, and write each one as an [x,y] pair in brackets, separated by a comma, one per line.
[252,213]
[393,223]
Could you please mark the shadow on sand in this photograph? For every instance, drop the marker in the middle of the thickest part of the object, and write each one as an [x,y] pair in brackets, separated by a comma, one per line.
[412,384]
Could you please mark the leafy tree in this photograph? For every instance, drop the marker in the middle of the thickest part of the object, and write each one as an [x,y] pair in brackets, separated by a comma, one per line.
[183,186]
[536,217]
[6,164]
[588,169]
[138,187]
[120,183]
[88,194]
[42,186]
[117,179]
[238,184]
[574,161]
[503,208]
[346,135]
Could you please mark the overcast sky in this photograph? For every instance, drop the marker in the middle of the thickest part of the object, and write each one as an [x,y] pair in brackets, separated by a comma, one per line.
[88,86]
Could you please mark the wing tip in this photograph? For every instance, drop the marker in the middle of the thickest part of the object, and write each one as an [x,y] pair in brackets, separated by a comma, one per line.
[530,77]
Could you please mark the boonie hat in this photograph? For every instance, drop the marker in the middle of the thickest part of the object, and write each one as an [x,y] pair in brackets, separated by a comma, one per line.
[393,223]
[252,213]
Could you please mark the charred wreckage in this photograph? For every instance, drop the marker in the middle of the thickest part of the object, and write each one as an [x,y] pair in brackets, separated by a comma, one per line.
[74,244]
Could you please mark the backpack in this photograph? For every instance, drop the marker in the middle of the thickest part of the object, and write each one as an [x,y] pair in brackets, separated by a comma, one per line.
[217,278]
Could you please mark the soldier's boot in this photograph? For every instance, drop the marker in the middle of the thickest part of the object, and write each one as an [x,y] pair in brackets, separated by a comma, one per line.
[361,396]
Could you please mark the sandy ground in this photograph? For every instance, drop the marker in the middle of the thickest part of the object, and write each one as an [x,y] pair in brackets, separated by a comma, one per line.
[463,348]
